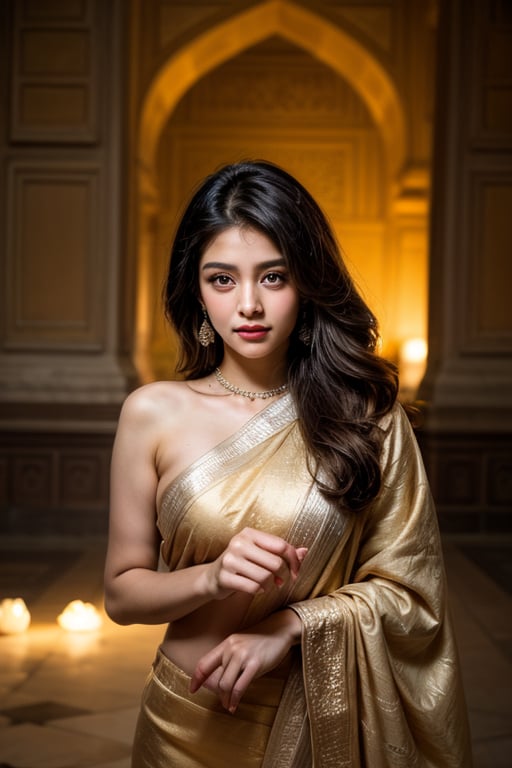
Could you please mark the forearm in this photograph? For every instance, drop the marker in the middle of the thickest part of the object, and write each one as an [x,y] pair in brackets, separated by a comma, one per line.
[145,596]
[286,623]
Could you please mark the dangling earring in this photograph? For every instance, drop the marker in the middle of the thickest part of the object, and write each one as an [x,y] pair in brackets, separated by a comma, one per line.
[305,333]
[206,335]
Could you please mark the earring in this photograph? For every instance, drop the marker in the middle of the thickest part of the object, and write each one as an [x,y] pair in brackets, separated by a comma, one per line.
[305,333]
[206,335]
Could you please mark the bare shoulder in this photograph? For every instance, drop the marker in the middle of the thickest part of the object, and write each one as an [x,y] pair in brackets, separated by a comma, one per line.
[157,401]
[166,424]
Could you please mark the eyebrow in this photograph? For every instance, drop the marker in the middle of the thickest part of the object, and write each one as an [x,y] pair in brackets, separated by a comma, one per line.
[234,268]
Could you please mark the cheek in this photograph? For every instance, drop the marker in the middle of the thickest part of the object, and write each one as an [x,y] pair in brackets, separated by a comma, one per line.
[215,303]
[289,309]
[293,304]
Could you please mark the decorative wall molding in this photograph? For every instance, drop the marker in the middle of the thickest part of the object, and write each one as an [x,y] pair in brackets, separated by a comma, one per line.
[62,377]
[487,268]
[471,476]
[490,105]
[54,257]
[55,84]
[54,482]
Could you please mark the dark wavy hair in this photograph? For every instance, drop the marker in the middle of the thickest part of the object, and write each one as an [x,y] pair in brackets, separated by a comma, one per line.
[340,385]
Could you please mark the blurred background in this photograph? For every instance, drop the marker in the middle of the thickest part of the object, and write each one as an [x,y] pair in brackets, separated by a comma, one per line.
[396,114]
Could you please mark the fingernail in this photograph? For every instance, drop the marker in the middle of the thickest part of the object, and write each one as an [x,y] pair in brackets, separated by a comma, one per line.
[278,581]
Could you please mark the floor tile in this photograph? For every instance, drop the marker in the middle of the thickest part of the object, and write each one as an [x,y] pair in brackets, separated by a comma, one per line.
[75,697]
[40,712]
[118,726]
[34,746]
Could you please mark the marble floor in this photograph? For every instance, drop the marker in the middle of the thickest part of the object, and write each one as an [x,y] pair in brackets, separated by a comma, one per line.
[71,700]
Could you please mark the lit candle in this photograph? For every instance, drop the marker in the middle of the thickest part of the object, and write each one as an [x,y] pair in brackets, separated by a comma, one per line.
[14,616]
[78,616]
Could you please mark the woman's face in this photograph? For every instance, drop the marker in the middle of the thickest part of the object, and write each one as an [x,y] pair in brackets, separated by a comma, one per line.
[247,291]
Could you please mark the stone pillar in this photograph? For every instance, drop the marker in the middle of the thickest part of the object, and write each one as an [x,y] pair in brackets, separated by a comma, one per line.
[467,437]
[62,373]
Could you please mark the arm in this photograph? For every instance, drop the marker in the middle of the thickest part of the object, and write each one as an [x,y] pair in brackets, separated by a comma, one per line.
[135,592]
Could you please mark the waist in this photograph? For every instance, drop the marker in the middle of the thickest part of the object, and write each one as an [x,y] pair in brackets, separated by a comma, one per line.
[264,691]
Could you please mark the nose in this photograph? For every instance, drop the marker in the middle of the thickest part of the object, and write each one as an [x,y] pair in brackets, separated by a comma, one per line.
[249,303]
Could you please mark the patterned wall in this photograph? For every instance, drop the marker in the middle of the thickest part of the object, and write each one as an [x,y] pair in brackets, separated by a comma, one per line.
[74,77]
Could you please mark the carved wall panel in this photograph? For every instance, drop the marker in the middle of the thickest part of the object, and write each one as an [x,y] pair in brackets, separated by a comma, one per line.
[63,373]
[499,474]
[54,87]
[274,82]
[34,478]
[174,19]
[51,482]
[82,477]
[468,386]
[472,481]
[374,20]
[492,69]
[490,265]
[460,481]
[53,258]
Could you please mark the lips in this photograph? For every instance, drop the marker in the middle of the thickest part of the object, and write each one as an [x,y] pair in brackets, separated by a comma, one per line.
[254,332]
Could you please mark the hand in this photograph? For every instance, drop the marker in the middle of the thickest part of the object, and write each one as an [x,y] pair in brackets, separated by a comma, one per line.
[229,668]
[252,562]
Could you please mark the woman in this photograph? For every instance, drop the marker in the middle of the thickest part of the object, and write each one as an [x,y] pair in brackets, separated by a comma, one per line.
[281,487]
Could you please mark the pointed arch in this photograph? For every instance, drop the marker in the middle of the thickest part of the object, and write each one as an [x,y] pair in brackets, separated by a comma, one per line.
[306,29]
[218,44]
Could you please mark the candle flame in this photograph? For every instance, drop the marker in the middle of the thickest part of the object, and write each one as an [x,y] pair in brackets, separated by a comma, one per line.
[14,616]
[78,616]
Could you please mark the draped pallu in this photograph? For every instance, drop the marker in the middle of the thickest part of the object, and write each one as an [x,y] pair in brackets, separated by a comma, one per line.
[376,680]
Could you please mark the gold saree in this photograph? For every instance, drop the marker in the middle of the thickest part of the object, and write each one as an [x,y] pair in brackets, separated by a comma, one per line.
[376,682]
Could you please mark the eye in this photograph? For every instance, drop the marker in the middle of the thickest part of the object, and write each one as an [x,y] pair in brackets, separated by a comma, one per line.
[221,281]
[274,278]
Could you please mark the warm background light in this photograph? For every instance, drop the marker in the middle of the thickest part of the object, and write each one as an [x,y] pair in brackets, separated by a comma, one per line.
[14,616]
[412,365]
[78,616]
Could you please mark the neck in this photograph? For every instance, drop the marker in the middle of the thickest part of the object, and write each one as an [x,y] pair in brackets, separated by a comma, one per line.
[252,379]
[250,394]
[254,375]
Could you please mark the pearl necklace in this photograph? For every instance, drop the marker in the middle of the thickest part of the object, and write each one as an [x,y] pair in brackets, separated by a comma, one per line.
[244,392]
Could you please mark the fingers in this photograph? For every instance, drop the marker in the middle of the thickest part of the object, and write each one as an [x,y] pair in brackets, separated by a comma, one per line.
[225,671]
[252,562]
[229,668]
[283,553]
[205,668]
[233,684]
[256,555]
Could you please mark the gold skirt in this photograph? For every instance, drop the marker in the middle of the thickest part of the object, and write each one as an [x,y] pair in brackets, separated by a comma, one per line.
[177,729]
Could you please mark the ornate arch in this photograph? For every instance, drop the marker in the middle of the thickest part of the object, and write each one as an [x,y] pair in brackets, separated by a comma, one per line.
[306,29]
[216,45]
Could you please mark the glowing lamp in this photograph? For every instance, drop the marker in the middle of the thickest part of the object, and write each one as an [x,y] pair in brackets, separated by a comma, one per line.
[78,616]
[14,616]
[413,359]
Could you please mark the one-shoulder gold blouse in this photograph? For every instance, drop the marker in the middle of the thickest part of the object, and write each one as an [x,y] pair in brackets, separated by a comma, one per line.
[376,682]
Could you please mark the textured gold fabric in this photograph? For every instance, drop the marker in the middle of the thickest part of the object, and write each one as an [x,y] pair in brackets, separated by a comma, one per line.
[178,729]
[376,682]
